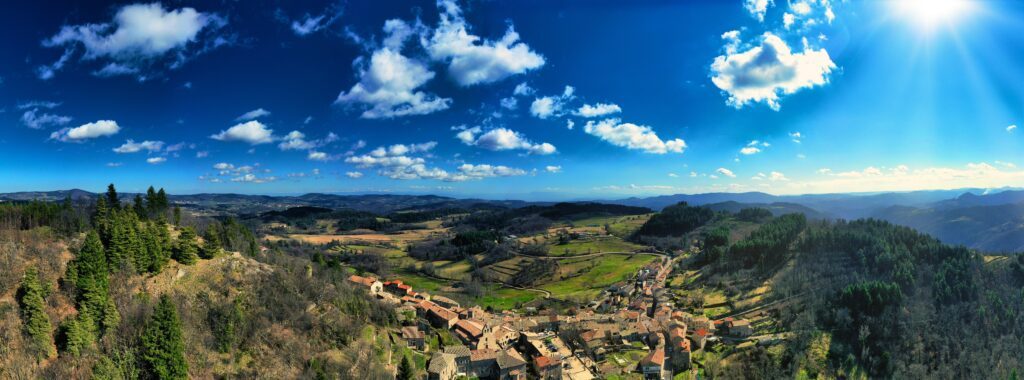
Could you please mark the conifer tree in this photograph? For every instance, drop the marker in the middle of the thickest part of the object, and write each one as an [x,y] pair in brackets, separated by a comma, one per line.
[33,315]
[405,369]
[152,205]
[161,201]
[105,369]
[79,332]
[186,249]
[157,242]
[139,207]
[163,349]
[177,216]
[87,273]
[211,243]
[112,201]
[101,219]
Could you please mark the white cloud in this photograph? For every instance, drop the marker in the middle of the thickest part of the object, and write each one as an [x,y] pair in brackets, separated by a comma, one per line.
[632,136]
[354,175]
[773,176]
[569,124]
[95,129]
[599,109]
[253,115]
[114,164]
[523,89]
[551,106]
[503,139]
[509,103]
[757,8]
[763,73]
[725,172]
[138,36]
[488,171]
[202,154]
[1011,128]
[252,132]
[36,119]
[131,146]
[473,60]
[388,82]
[673,175]
[252,178]
[748,150]
[553,169]
[395,163]
[296,140]
[156,160]
[796,137]
[318,156]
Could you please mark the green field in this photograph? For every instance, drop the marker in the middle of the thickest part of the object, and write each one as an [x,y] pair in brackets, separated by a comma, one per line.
[620,226]
[505,298]
[597,245]
[607,269]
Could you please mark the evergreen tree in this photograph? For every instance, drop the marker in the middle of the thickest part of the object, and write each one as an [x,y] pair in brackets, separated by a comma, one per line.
[112,201]
[125,245]
[211,243]
[157,242]
[224,322]
[106,369]
[163,349]
[406,370]
[78,333]
[101,219]
[152,205]
[161,201]
[37,323]
[139,207]
[186,249]
[177,216]
[88,275]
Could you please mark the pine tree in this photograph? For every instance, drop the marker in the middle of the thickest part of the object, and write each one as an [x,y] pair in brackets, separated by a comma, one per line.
[37,323]
[88,274]
[211,243]
[186,249]
[101,219]
[112,201]
[405,370]
[139,207]
[163,349]
[106,369]
[152,204]
[157,241]
[177,216]
[79,333]
[125,245]
[161,201]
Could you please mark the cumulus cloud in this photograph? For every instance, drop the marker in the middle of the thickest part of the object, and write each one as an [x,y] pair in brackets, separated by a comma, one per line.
[253,115]
[767,71]
[599,109]
[252,132]
[139,36]
[510,103]
[296,140]
[395,162]
[242,173]
[318,156]
[87,131]
[388,82]
[553,169]
[503,139]
[131,146]
[757,8]
[523,89]
[473,60]
[551,106]
[632,136]
[748,150]
[1011,128]
[796,137]
[354,175]
[772,176]
[725,172]
[38,119]
[488,171]
[156,160]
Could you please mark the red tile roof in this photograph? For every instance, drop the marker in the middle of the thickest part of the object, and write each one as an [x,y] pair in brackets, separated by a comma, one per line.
[656,357]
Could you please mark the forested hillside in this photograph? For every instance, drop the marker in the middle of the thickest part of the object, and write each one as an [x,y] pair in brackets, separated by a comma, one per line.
[125,289]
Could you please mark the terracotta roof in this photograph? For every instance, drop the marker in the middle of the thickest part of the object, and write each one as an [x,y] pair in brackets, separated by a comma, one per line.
[701,332]
[470,327]
[544,361]
[368,281]
[656,357]
[480,355]
[410,332]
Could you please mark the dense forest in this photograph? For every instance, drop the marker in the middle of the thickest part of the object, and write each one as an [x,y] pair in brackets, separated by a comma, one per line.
[116,289]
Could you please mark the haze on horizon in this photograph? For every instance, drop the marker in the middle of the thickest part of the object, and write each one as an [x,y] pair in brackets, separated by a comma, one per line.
[533,99]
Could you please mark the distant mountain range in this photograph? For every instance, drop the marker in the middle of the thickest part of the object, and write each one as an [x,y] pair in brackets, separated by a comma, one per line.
[978,218]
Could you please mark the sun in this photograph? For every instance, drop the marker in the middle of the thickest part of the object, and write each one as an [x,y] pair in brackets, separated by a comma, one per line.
[927,14]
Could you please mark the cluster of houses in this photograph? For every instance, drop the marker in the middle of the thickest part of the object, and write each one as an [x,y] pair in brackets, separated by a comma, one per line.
[508,345]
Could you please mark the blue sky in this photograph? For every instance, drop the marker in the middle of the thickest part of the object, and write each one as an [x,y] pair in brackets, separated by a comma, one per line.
[525,99]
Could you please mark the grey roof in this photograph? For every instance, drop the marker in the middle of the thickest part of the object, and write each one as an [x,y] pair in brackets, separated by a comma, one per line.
[441,362]
[507,360]
[458,351]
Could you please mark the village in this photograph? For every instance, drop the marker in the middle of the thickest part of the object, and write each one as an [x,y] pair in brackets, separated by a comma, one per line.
[583,344]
